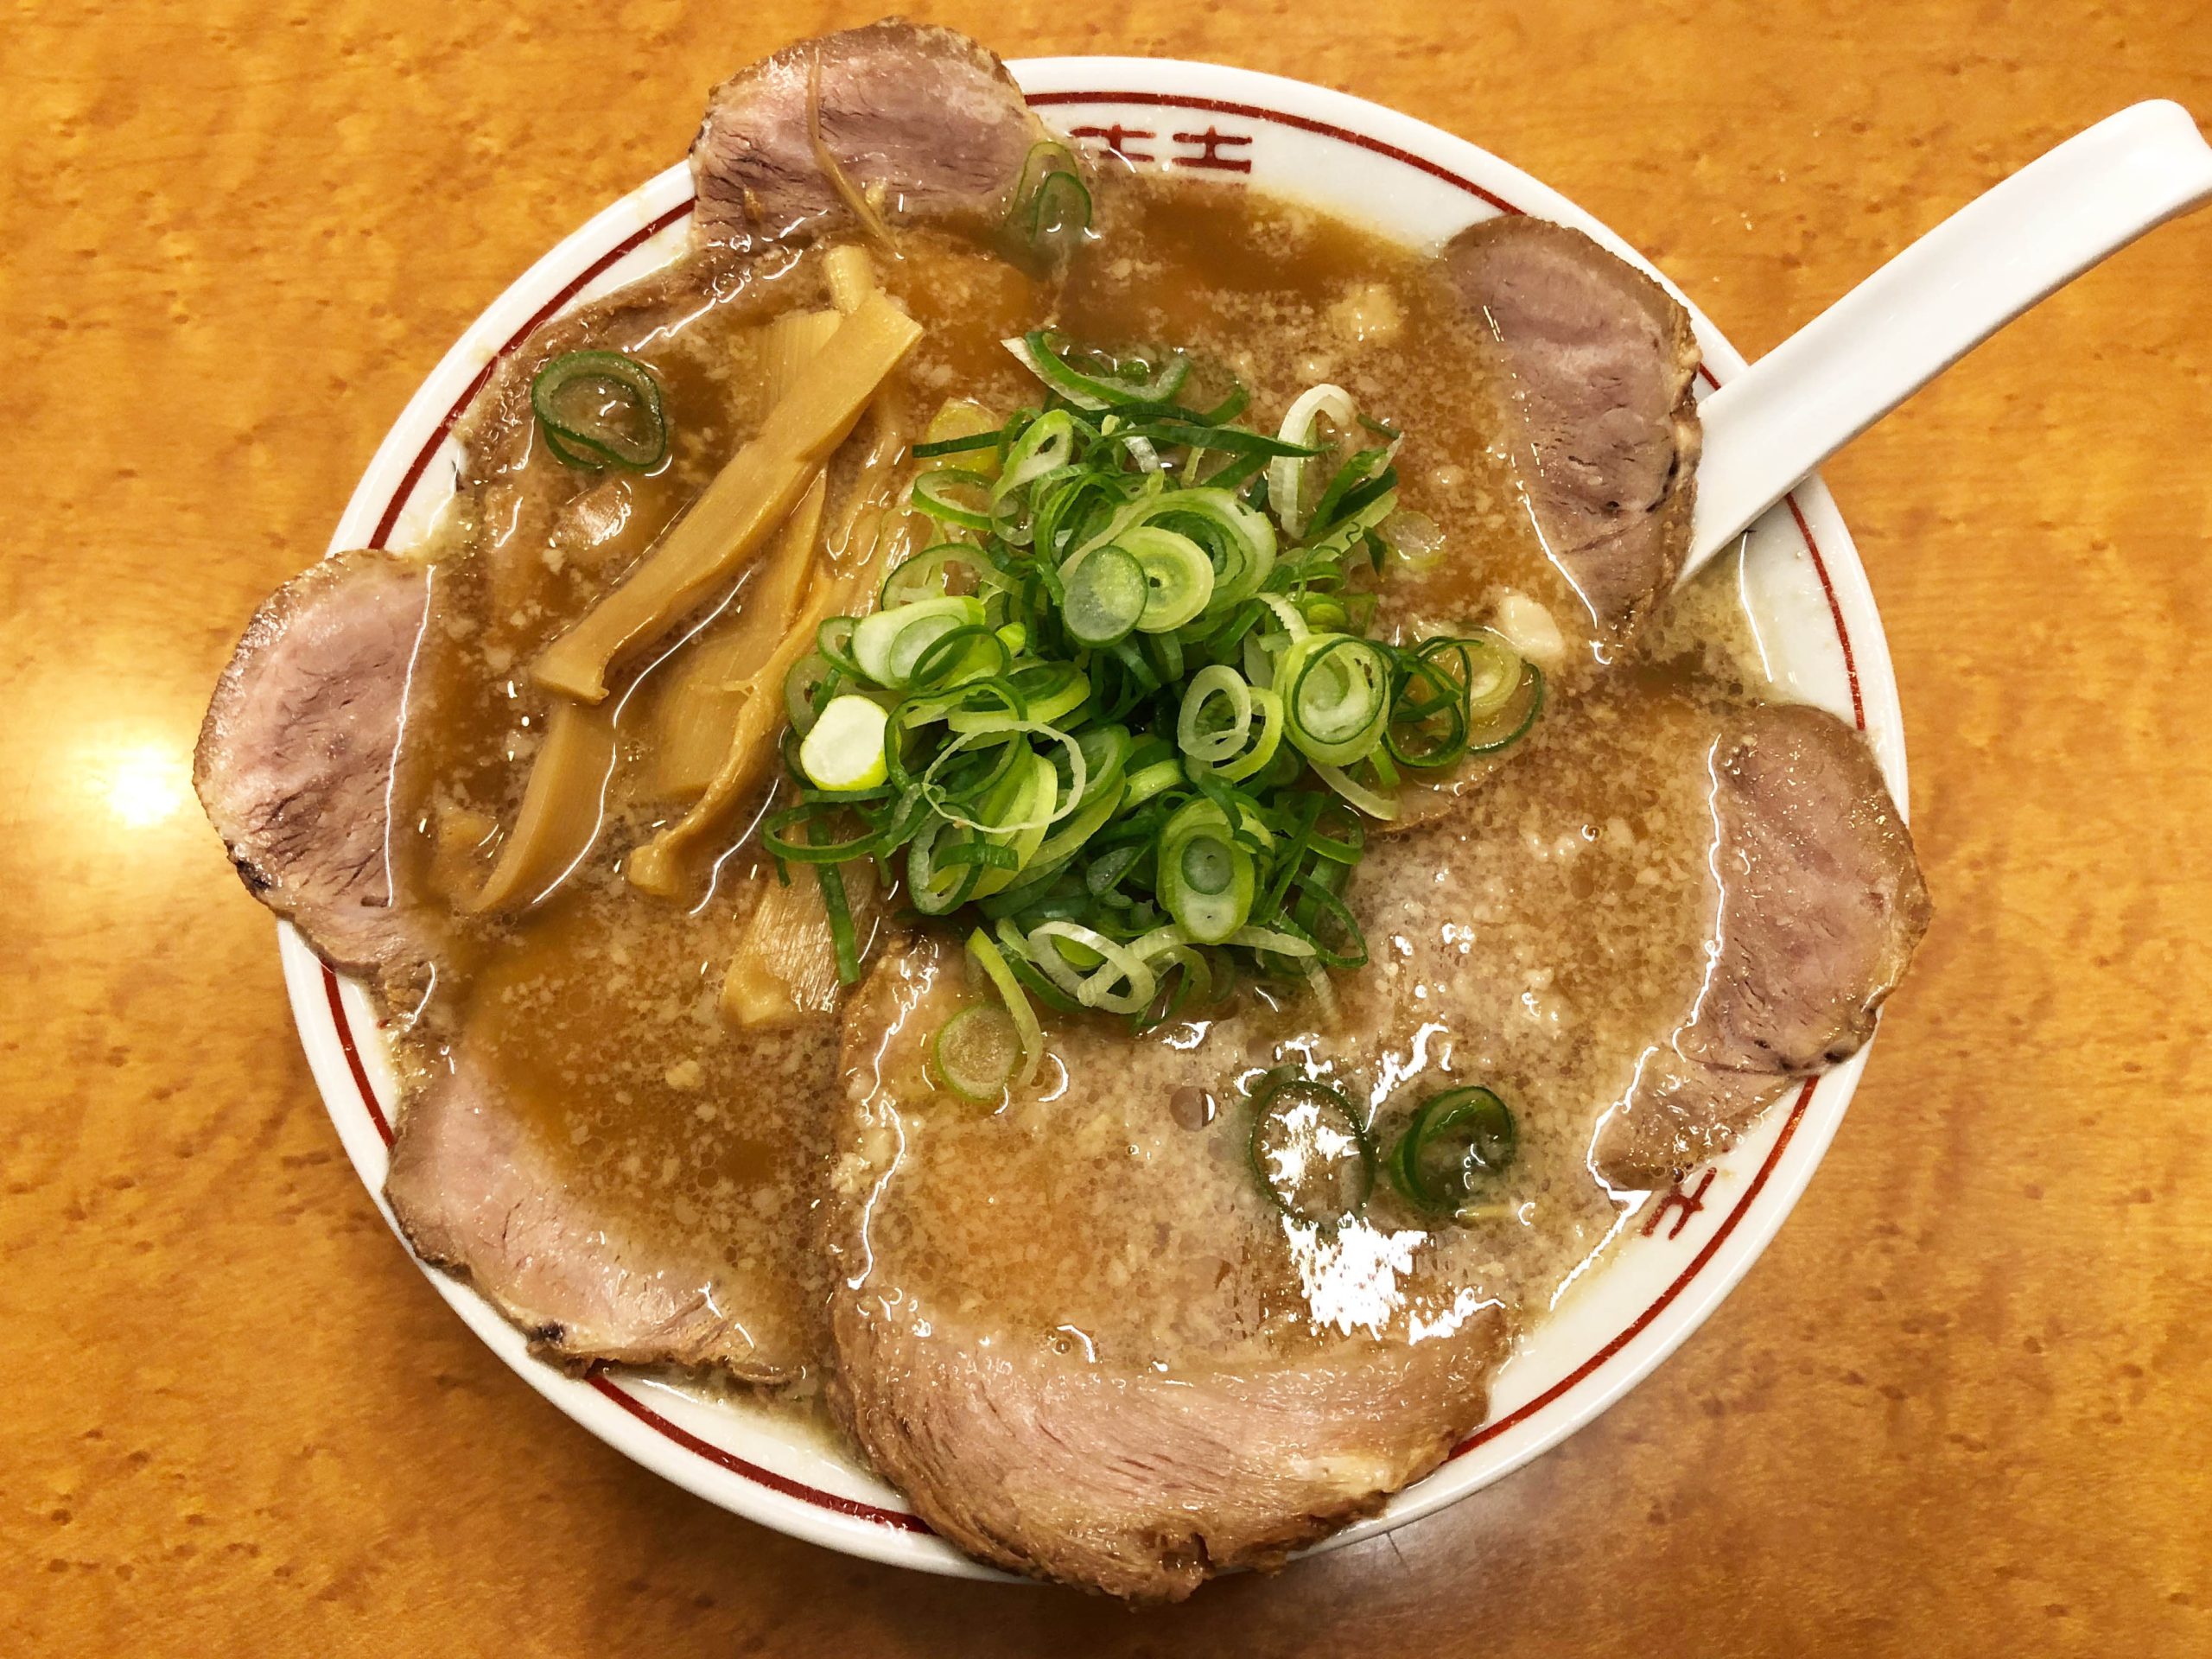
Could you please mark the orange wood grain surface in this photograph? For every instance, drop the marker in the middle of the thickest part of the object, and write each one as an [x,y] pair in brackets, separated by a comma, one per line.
[1962,1406]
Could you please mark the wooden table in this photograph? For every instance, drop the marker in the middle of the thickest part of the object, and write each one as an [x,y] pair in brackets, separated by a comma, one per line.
[1962,1406]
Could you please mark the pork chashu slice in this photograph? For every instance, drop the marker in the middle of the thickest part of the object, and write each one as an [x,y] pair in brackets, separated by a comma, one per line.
[1592,394]
[646,1250]
[1598,364]
[924,124]
[1075,1334]
[295,758]
[295,761]
[295,767]
[1820,907]
[1085,1346]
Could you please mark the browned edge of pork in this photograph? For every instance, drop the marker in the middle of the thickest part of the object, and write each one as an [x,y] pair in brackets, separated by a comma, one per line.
[476,1196]
[1820,907]
[295,758]
[1139,1485]
[927,124]
[1600,366]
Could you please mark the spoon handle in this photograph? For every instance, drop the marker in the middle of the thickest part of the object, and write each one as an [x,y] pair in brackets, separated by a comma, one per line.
[1943,295]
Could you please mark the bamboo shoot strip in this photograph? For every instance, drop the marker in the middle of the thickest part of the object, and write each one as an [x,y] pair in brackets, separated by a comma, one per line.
[785,965]
[696,712]
[750,753]
[695,704]
[747,499]
[794,341]
[562,806]
[852,275]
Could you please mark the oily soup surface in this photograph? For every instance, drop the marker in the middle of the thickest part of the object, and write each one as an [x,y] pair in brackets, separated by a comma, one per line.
[1539,937]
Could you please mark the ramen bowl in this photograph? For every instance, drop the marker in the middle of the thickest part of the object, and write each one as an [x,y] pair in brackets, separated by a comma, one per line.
[1816,628]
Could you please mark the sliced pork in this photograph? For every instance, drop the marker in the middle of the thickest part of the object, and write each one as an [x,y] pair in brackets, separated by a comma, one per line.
[479,1190]
[1598,363]
[1209,1384]
[1170,1411]
[294,765]
[923,122]
[1142,1485]
[1819,908]
[295,758]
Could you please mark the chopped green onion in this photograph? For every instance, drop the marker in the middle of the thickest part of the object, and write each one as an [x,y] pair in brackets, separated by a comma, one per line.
[1124,718]
[986,956]
[1155,779]
[1099,384]
[834,640]
[1287,475]
[928,573]
[840,911]
[1118,980]
[810,680]
[1209,737]
[888,644]
[957,446]
[1206,879]
[1051,208]
[1262,746]
[1314,1158]
[1371,802]
[600,410]
[1454,1142]
[1045,446]
[1336,696]
[940,495]
[1060,211]
[976,1052]
[1104,596]
[845,748]
[1415,537]
[1178,575]
[1513,719]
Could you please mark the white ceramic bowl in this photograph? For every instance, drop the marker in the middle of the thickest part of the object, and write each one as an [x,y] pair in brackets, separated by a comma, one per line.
[1803,579]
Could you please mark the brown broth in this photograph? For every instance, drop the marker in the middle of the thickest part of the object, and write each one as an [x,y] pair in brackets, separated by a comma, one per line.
[1558,944]
[1539,943]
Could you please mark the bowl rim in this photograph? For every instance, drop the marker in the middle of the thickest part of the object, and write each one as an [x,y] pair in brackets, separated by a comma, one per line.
[650,1424]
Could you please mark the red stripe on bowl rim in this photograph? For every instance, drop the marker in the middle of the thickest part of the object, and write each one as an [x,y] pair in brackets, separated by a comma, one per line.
[1635,1328]
[898,1520]
[352,1053]
[753,1471]
[1281,119]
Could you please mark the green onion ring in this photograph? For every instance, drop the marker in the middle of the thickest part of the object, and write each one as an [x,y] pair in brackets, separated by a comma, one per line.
[1337,696]
[595,439]
[1220,742]
[1471,1119]
[986,955]
[1105,597]
[932,494]
[1297,1120]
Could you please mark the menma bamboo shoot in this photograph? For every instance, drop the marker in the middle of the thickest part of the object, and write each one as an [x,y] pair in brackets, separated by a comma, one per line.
[696,702]
[697,707]
[785,965]
[851,270]
[749,748]
[736,512]
[562,806]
